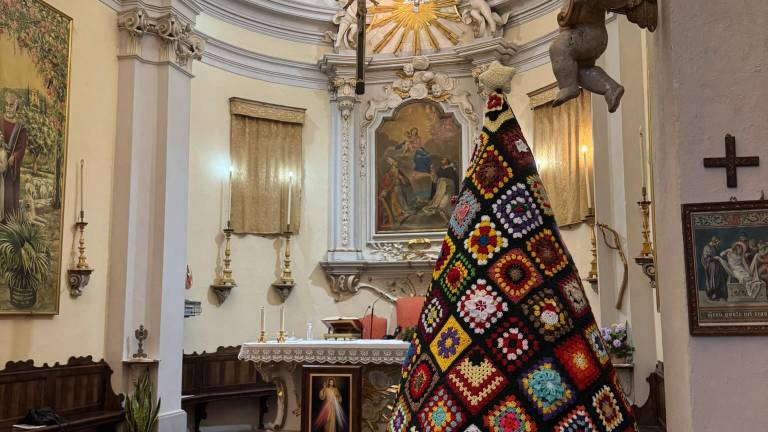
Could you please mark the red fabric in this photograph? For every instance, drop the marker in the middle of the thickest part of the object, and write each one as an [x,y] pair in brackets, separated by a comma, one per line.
[408,310]
[379,327]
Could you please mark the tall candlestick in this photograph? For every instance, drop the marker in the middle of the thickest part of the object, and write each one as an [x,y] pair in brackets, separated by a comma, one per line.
[643,159]
[584,151]
[229,198]
[82,189]
[290,200]
[282,318]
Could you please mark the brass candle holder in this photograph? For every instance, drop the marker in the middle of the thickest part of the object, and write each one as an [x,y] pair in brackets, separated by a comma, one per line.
[80,274]
[645,204]
[592,276]
[281,336]
[262,337]
[223,287]
[286,283]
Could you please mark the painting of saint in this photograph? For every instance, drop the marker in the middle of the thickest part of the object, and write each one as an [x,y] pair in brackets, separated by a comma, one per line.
[331,399]
[418,158]
[34,80]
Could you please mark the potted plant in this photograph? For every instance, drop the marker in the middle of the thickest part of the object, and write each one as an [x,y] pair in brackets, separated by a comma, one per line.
[616,338]
[140,410]
[25,259]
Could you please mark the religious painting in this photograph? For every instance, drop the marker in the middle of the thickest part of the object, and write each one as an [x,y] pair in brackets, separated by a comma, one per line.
[726,253]
[331,399]
[418,169]
[34,85]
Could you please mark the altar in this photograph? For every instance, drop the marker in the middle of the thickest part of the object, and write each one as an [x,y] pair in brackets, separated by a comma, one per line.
[283,364]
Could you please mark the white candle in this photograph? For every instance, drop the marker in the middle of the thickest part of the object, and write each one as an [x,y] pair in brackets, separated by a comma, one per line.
[82,188]
[290,200]
[643,158]
[584,151]
[263,319]
[229,198]
[282,318]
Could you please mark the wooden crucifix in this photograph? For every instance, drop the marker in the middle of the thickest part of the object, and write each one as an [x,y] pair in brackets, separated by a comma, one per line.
[362,12]
[731,162]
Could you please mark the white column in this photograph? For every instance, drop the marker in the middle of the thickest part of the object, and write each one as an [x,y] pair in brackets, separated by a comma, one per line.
[148,244]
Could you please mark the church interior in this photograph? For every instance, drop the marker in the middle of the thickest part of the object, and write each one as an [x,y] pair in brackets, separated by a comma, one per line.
[383,215]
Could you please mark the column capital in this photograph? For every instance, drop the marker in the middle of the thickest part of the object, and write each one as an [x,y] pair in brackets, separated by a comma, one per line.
[343,90]
[178,43]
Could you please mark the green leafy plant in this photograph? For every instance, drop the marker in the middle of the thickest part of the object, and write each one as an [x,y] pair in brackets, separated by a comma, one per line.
[616,338]
[25,258]
[140,410]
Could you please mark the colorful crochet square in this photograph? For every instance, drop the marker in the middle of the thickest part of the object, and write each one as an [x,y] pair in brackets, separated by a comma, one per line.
[546,389]
[485,241]
[576,357]
[548,315]
[595,339]
[480,307]
[540,193]
[491,173]
[441,413]
[517,212]
[449,343]
[515,275]
[573,292]
[422,378]
[512,344]
[517,148]
[464,213]
[622,397]
[456,278]
[607,409]
[432,316]
[547,252]
[401,417]
[509,416]
[577,421]
[480,144]
[475,380]
[414,351]
[446,252]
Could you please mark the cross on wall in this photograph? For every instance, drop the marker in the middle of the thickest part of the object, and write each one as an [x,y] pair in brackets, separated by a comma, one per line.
[731,162]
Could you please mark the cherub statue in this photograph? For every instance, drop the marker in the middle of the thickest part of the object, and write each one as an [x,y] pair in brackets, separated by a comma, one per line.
[484,20]
[583,39]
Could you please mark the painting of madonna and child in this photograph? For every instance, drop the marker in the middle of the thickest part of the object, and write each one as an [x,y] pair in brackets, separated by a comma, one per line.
[34,78]
[727,258]
[418,169]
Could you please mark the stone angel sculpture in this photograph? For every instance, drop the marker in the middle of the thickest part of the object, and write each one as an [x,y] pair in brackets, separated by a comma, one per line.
[583,39]
[346,18]
[484,20]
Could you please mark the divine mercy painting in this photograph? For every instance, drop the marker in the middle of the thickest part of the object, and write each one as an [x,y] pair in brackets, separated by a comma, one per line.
[331,399]
[727,267]
[418,169]
[34,81]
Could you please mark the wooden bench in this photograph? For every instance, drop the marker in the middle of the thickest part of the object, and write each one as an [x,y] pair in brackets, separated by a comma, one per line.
[652,417]
[221,376]
[79,391]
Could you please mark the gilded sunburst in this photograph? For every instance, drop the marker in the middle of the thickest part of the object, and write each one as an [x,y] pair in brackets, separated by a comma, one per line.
[415,24]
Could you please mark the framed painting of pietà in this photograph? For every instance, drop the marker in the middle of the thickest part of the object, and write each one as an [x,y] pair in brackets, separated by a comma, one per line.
[34,86]
[418,168]
[726,255]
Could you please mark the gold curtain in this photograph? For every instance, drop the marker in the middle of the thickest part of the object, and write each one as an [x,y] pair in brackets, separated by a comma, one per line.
[265,146]
[559,138]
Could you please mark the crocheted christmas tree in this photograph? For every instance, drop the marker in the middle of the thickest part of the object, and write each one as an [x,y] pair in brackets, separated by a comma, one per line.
[506,340]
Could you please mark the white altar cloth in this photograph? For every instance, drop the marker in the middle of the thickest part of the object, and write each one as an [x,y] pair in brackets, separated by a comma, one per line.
[364,351]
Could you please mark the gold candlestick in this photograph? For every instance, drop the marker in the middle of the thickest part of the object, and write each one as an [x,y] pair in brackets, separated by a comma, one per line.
[647,249]
[286,283]
[592,276]
[226,282]
[80,275]
[262,337]
[82,261]
[281,336]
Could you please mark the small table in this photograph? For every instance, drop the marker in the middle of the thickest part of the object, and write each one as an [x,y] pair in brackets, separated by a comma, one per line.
[277,363]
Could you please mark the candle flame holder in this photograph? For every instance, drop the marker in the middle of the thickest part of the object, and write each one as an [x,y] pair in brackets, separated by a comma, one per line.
[592,277]
[80,274]
[224,284]
[281,336]
[285,285]
[262,337]
[646,259]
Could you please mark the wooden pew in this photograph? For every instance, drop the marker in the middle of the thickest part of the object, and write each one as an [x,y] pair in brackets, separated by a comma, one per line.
[220,376]
[79,391]
[652,417]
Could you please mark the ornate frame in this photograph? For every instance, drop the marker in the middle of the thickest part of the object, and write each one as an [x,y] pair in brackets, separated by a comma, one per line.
[715,212]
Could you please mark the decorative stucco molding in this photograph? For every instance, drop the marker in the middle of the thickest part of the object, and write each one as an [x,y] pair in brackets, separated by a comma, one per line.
[179,44]
[263,110]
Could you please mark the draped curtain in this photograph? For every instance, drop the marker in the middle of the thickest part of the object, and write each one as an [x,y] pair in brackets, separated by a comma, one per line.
[560,137]
[265,146]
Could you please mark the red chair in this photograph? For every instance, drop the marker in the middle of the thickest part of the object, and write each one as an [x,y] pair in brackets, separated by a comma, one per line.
[408,310]
[379,327]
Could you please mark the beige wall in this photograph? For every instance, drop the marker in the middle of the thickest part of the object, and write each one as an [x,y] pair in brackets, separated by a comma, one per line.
[79,328]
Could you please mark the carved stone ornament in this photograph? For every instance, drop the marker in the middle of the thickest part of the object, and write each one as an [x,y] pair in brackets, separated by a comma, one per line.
[78,280]
[417,82]
[484,21]
[181,44]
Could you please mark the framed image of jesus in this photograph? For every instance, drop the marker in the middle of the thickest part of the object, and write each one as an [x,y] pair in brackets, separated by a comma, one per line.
[331,399]
[726,262]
